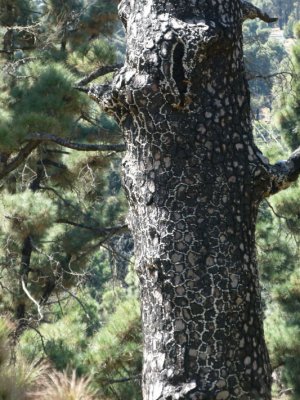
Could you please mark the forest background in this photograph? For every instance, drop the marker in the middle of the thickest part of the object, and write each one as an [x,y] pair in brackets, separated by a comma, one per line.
[69,310]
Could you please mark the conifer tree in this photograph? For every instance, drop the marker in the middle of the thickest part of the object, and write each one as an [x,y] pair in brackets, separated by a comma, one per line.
[279,245]
[57,205]
[60,196]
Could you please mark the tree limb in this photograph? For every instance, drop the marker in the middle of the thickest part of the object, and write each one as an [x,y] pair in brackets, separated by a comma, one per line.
[100,231]
[284,173]
[19,158]
[121,380]
[78,300]
[96,92]
[252,12]
[48,137]
[41,337]
[36,138]
[24,287]
[270,76]
[103,70]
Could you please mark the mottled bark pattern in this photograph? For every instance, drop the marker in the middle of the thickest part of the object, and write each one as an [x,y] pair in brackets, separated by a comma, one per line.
[194,180]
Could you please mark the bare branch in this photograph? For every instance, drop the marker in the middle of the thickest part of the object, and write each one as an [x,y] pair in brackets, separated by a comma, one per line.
[252,12]
[103,70]
[270,76]
[66,202]
[48,137]
[275,212]
[19,158]
[78,300]
[288,391]
[32,299]
[41,337]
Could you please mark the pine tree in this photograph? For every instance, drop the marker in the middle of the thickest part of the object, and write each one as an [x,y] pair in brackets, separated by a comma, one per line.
[58,206]
[278,246]
[194,179]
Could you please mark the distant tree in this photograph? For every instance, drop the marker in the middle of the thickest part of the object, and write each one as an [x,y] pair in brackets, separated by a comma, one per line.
[263,57]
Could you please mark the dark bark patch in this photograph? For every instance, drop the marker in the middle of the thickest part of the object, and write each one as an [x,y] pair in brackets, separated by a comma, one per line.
[179,71]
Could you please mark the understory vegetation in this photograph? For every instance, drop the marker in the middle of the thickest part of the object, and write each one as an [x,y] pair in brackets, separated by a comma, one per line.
[70,323]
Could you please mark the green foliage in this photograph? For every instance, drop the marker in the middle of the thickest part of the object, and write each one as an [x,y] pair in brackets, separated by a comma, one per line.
[278,235]
[99,338]
[18,379]
[92,55]
[262,57]
[278,250]
[45,102]
[26,214]
[288,116]
[56,205]
[6,139]
[117,348]
[15,12]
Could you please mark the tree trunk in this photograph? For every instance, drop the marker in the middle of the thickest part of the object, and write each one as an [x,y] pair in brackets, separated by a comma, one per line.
[194,180]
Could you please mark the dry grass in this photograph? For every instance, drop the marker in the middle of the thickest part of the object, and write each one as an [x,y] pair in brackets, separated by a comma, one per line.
[59,386]
[16,381]
[36,381]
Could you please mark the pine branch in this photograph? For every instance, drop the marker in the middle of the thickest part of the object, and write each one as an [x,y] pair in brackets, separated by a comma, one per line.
[36,138]
[78,300]
[100,231]
[48,137]
[19,158]
[106,69]
[252,12]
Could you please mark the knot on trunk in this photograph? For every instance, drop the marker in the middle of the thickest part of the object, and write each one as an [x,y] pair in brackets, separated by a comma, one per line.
[165,59]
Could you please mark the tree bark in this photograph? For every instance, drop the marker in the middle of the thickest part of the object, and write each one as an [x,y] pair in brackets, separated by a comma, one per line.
[194,180]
